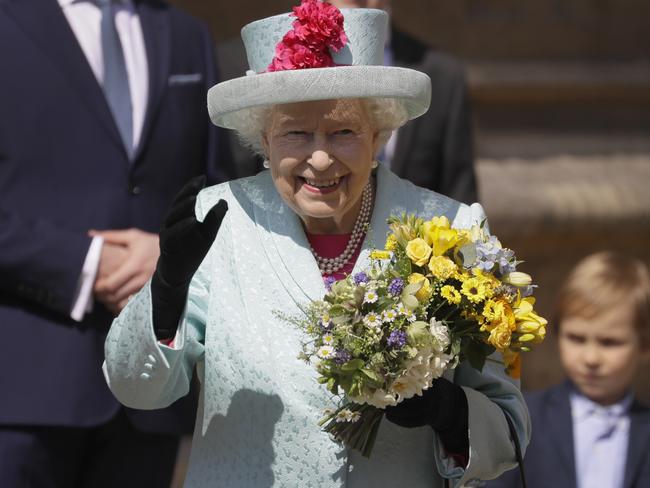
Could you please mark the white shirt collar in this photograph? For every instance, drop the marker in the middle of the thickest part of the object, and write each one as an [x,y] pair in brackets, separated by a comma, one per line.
[582,407]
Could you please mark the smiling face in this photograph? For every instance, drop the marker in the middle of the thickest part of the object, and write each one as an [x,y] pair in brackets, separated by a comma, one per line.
[601,354]
[320,156]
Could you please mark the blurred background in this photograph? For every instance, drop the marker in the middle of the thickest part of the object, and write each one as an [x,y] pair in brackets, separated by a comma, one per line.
[560,92]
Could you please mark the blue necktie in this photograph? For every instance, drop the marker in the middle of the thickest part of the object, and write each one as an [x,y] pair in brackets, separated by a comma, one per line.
[116,79]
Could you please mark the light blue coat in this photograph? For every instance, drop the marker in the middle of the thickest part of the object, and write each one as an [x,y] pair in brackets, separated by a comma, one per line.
[257,421]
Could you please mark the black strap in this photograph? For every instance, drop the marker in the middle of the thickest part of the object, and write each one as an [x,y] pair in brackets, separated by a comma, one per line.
[520,460]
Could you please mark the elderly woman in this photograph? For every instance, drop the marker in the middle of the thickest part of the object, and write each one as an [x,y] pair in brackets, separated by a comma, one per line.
[239,253]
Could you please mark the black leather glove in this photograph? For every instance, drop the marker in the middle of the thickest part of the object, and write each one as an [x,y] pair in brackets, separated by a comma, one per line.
[443,407]
[184,242]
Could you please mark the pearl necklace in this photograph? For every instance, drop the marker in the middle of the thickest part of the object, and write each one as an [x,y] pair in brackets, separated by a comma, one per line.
[332,265]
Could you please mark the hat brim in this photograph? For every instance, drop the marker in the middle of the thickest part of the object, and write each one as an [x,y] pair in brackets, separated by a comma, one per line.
[228,99]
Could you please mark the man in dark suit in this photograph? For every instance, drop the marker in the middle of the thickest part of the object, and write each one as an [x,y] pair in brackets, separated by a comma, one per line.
[550,461]
[433,151]
[103,120]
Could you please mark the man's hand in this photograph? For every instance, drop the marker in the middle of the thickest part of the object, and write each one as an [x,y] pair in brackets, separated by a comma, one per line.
[139,252]
[111,259]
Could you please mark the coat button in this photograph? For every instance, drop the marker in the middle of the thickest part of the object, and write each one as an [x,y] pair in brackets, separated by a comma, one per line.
[135,189]
[145,376]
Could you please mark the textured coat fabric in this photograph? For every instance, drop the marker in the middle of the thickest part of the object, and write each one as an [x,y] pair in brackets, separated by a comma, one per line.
[259,407]
[550,461]
[63,171]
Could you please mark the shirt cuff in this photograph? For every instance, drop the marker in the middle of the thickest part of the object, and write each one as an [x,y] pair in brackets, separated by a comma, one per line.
[83,302]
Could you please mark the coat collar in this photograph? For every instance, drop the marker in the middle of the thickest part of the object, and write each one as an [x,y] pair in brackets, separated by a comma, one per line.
[284,241]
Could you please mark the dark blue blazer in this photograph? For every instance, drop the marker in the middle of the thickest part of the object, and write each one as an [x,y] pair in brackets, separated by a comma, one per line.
[63,171]
[549,460]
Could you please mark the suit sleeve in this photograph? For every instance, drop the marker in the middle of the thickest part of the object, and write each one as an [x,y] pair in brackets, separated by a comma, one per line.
[457,158]
[40,261]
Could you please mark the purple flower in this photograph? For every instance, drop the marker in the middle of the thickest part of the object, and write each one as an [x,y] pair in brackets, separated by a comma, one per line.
[396,286]
[329,281]
[342,356]
[361,278]
[490,254]
[397,339]
[326,326]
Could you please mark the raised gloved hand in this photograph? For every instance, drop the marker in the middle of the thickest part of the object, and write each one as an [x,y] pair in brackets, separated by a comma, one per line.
[444,407]
[184,242]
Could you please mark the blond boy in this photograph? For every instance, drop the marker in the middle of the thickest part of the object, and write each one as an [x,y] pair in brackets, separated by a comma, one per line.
[590,431]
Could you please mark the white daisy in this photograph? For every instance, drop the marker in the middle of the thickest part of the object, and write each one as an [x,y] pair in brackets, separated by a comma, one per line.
[370,296]
[325,320]
[402,310]
[390,315]
[344,415]
[328,339]
[372,319]
[326,352]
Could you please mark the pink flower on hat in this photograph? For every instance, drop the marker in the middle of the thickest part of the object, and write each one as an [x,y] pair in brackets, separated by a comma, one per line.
[318,27]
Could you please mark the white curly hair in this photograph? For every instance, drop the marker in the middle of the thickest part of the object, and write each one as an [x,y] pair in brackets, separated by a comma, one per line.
[386,115]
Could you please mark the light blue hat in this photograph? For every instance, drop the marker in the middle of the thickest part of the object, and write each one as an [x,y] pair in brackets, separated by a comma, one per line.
[359,72]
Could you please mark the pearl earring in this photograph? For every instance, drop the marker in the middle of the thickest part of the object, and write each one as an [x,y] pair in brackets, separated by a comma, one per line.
[374,164]
[266,164]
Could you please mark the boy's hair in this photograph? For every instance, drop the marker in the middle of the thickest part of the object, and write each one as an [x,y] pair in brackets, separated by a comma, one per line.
[603,280]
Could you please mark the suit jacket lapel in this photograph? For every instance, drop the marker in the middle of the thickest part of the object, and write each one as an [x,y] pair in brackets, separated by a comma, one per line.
[154,19]
[44,22]
[639,439]
[559,422]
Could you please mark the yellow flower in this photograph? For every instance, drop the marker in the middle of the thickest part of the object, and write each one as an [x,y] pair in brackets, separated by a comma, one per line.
[493,310]
[423,293]
[379,254]
[418,251]
[474,289]
[487,280]
[512,361]
[527,338]
[442,267]
[391,242]
[498,313]
[438,234]
[517,278]
[450,294]
[531,325]
[441,221]
[500,337]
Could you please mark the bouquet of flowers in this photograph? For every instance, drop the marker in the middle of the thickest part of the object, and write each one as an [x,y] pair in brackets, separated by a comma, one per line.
[434,297]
